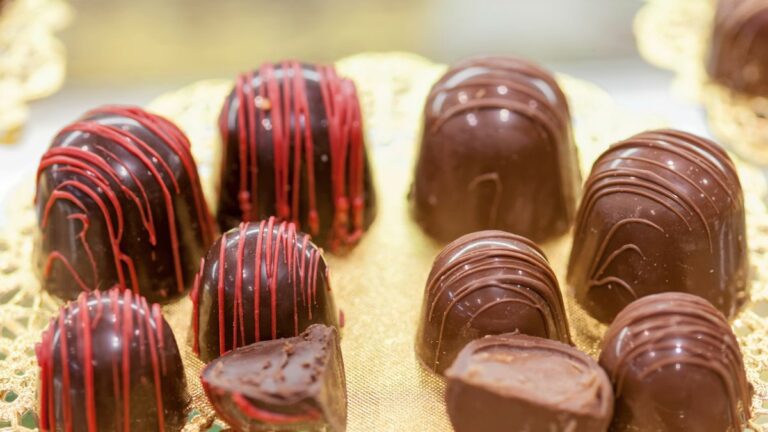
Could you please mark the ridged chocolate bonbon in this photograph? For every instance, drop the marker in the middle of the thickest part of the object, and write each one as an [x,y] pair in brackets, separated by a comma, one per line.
[496,153]
[662,211]
[675,365]
[488,282]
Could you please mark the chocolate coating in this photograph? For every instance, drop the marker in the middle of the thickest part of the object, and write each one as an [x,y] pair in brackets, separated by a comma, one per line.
[109,362]
[233,307]
[738,55]
[675,365]
[484,283]
[516,382]
[119,203]
[296,151]
[294,384]
[662,211]
[496,153]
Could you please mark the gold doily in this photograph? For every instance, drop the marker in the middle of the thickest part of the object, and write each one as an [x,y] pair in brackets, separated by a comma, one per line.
[380,284]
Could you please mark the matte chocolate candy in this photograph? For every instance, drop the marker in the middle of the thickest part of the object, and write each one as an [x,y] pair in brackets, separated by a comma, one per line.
[675,365]
[109,362]
[294,148]
[488,282]
[119,203]
[515,382]
[294,384]
[662,211]
[497,153]
[259,281]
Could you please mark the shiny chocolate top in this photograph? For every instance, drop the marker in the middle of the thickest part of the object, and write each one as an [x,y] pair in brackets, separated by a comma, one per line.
[496,153]
[662,211]
[488,282]
[675,364]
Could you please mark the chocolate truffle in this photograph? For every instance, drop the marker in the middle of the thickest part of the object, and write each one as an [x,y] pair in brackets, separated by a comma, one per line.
[662,211]
[119,203]
[675,365]
[293,384]
[514,382]
[497,153]
[294,148]
[488,282]
[259,281]
[738,55]
[109,362]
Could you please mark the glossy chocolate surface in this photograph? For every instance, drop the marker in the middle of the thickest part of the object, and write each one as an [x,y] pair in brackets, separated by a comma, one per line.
[484,283]
[662,211]
[293,384]
[296,151]
[497,153]
[675,365]
[260,281]
[516,382]
[738,55]
[109,362]
[119,203]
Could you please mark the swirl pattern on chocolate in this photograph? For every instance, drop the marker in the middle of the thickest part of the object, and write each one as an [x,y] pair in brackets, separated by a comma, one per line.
[662,211]
[119,202]
[294,148]
[497,153]
[488,282]
[259,281]
[675,364]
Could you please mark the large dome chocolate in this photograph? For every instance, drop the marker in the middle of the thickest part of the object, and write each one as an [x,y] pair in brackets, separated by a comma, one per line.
[119,203]
[496,153]
[295,150]
[662,211]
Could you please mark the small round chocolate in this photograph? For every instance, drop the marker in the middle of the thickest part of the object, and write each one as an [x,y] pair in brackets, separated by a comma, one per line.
[109,361]
[294,148]
[119,202]
[259,281]
[484,283]
[662,211]
[738,56]
[675,364]
[497,153]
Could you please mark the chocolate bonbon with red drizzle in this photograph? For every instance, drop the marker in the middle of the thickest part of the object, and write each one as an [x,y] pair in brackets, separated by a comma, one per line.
[294,148]
[291,384]
[109,361]
[119,202]
[260,281]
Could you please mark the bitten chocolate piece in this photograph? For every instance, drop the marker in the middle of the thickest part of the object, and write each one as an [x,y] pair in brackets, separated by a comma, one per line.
[662,211]
[516,382]
[294,148]
[119,203]
[497,153]
[488,282]
[294,384]
[109,362]
[675,365]
[259,281]
[738,55]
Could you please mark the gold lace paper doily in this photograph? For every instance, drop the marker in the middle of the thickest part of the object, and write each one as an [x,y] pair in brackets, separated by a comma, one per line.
[380,284]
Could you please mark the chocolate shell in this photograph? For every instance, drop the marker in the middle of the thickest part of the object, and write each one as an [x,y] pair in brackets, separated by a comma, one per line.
[295,150]
[515,382]
[294,384]
[738,55]
[662,211]
[109,362]
[234,308]
[675,365]
[497,153]
[119,203]
[485,283]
